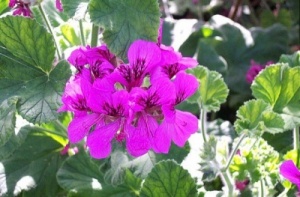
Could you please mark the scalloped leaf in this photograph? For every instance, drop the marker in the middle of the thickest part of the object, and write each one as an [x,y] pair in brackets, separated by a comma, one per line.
[80,173]
[7,119]
[213,90]
[168,178]
[28,75]
[75,9]
[256,116]
[279,86]
[292,60]
[139,20]
[32,167]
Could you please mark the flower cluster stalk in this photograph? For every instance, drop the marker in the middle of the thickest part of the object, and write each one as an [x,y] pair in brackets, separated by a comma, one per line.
[81,33]
[47,21]
[95,34]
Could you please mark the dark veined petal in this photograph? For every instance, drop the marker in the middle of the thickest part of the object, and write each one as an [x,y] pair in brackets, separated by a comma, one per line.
[99,141]
[186,85]
[81,125]
[140,137]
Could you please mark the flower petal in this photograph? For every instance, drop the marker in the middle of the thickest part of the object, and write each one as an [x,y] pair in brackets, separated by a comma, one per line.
[185,85]
[140,138]
[80,126]
[185,125]
[289,171]
[162,138]
[99,141]
[143,56]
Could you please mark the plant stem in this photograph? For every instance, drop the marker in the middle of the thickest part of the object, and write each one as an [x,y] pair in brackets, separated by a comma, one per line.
[252,14]
[242,137]
[228,182]
[296,142]
[95,34]
[81,32]
[203,122]
[262,189]
[44,16]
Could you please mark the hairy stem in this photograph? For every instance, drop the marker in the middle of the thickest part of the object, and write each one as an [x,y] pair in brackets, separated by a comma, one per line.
[203,122]
[225,175]
[95,34]
[242,137]
[262,188]
[296,142]
[47,21]
[81,33]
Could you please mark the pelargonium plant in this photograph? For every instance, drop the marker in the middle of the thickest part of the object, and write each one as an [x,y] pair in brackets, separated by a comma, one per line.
[118,98]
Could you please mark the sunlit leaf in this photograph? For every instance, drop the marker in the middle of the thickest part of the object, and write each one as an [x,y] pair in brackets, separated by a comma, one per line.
[213,90]
[256,116]
[279,86]
[167,178]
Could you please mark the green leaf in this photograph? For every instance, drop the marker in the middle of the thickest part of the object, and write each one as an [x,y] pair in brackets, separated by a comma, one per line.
[213,90]
[32,166]
[3,5]
[168,178]
[16,139]
[292,60]
[125,21]
[279,86]
[27,40]
[75,9]
[210,58]
[256,116]
[80,172]
[129,188]
[283,17]
[7,119]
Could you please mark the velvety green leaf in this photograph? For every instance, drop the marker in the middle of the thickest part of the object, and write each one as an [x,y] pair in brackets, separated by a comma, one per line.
[189,47]
[39,93]
[167,178]
[208,57]
[129,188]
[236,47]
[256,116]
[279,86]
[80,172]
[213,90]
[75,9]
[16,139]
[281,142]
[26,39]
[138,20]
[32,167]
[7,119]
[292,60]
[283,17]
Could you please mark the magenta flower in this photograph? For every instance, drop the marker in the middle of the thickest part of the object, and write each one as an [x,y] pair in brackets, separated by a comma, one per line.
[115,110]
[58,5]
[241,185]
[21,7]
[254,69]
[290,171]
[177,125]
[132,103]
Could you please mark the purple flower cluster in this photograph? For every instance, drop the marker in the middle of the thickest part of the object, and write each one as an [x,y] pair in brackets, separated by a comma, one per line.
[254,69]
[131,103]
[22,7]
